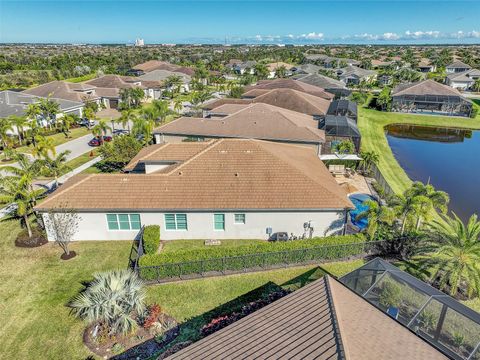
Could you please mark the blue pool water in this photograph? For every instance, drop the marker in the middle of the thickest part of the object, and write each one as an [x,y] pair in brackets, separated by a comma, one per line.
[357,200]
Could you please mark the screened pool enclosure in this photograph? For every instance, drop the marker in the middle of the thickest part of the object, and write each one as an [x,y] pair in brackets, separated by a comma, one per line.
[446,324]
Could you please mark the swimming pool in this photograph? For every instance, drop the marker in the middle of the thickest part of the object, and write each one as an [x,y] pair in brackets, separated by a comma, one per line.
[357,200]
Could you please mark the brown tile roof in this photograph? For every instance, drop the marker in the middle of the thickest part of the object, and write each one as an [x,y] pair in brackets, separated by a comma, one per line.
[295,100]
[323,320]
[425,87]
[167,152]
[253,93]
[216,103]
[114,81]
[63,90]
[256,121]
[228,109]
[163,65]
[275,65]
[297,326]
[292,84]
[228,174]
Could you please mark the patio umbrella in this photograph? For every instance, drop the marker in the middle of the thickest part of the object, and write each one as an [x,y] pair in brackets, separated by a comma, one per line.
[349,188]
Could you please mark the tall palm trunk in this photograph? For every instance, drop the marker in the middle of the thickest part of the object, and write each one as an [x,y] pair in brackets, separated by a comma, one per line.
[27,224]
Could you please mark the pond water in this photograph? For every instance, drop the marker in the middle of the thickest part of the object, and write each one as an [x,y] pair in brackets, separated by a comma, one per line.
[448,158]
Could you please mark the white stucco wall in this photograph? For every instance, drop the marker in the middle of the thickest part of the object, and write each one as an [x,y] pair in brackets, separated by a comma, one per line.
[93,226]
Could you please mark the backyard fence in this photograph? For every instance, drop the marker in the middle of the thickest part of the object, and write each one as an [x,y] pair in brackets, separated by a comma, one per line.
[167,272]
[377,175]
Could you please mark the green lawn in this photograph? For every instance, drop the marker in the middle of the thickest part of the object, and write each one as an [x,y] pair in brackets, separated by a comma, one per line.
[35,286]
[372,123]
[196,302]
[80,160]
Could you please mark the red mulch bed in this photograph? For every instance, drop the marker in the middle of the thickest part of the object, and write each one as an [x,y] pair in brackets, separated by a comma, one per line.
[139,345]
[38,239]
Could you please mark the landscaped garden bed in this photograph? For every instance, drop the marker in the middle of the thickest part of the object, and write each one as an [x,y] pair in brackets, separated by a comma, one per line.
[251,256]
[158,330]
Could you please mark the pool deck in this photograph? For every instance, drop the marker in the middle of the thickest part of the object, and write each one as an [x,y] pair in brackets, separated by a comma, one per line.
[357,183]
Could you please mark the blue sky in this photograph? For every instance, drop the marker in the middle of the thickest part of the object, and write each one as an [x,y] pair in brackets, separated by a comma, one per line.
[240,21]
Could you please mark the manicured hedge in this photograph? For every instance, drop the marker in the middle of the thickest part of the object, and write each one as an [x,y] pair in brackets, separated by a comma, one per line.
[249,256]
[151,239]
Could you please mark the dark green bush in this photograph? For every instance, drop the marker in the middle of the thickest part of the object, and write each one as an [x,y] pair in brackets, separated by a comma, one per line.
[151,239]
[249,256]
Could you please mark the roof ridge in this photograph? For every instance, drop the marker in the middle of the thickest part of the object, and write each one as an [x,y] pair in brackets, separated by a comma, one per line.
[164,145]
[212,144]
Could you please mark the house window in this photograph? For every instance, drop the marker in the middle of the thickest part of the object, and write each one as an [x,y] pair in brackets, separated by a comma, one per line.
[219,221]
[123,221]
[239,218]
[176,222]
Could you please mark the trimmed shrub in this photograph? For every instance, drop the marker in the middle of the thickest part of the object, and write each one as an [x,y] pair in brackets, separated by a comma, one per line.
[151,239]
[266,254]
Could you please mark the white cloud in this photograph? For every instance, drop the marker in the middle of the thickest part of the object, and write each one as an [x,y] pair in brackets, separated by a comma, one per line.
[422,34]
[313,35]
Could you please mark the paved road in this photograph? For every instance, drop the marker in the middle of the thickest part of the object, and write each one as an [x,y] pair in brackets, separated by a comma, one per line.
[77,147]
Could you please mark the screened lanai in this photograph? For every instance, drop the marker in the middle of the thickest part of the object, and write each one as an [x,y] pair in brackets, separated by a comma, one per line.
[446,324]
[339,128]
[434,104]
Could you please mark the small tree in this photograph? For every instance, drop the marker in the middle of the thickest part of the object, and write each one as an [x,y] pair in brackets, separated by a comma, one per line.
[62,225]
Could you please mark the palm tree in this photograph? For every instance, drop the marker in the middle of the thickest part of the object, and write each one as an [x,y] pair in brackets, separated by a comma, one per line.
[177,105]
[368,158]
[55,166]
[452,254]
[149,114]
[162,109]
[409,206]
[15,190]
[19,122]
[439,199]
[113,298]
[66,122]
[143,127]
[100,130]
[24,169]
[128,116]
[49,110]
[5,128]
[376,214]
[476,85]
[44,145]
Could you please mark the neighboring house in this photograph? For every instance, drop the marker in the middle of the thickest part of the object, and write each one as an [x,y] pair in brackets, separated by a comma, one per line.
[239,67]
[425,66]
[272,68]
[110,86]
[330,85]
[295,100]
[162,75]
[463,80]
[264,85]
[16,103]
[253,121]
[330,62]
[457,67]
[385,79]
[305,69]
[230,189]
[78,92]
[431,97]
[380,64]
[350,319]
[152,65]
[353,75]
[343,107]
